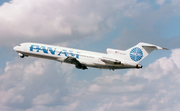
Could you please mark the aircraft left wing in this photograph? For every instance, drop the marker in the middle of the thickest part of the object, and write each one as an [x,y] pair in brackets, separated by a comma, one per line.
[73,60]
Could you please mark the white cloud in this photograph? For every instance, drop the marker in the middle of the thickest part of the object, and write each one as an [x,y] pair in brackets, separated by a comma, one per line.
[154,87]
[150,25]
[163,67]
[57,20]
[27,20]
[70,107]
[36,68]
[94,88]
[42,99]
[28,79]
[160,2]
[36,84]
[11,96]
[175,2]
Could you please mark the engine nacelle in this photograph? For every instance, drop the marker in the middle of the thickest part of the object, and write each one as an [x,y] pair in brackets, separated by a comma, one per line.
[110,61]
[139,66]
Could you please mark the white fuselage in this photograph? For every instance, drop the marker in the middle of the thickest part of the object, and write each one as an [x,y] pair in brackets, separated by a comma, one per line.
[87,58]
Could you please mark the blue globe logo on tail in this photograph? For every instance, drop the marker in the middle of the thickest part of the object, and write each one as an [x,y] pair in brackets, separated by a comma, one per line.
[136,54]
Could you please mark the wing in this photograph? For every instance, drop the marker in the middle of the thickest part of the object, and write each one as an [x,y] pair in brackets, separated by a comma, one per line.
[73,60]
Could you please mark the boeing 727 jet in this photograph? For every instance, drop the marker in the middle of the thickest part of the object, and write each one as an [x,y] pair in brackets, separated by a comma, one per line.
[113,59]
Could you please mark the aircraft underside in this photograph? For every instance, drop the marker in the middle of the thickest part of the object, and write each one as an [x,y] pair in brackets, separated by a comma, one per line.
[76,63]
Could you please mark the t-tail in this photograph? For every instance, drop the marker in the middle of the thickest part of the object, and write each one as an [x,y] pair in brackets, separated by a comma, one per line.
[141,50]
[135,54]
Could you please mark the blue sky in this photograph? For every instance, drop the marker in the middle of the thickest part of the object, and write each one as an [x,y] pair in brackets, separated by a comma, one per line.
[3,1]
[33,84]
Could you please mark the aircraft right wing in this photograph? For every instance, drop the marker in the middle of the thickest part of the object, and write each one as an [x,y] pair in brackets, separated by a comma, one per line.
[73,60]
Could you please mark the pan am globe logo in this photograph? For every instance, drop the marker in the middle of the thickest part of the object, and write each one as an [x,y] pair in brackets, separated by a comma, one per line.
[136,54]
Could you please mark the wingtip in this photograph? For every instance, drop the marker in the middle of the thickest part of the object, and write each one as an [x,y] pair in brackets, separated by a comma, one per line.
[161,48]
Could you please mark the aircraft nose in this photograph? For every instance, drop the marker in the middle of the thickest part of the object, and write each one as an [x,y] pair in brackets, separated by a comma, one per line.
[15,48]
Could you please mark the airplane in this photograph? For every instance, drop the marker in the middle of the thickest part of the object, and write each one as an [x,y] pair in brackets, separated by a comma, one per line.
[113,59]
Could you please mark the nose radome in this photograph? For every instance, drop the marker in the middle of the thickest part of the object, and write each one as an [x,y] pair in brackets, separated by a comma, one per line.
[15,48]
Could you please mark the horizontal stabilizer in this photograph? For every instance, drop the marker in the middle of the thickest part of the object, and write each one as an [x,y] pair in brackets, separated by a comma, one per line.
[150,47]
[154,47]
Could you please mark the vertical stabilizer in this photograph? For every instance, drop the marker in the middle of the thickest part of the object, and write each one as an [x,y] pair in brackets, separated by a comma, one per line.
[140,51]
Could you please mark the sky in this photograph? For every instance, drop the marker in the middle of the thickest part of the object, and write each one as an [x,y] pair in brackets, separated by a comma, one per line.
[33,84]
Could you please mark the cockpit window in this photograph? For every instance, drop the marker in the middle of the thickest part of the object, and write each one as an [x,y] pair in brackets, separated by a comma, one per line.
[19,45]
